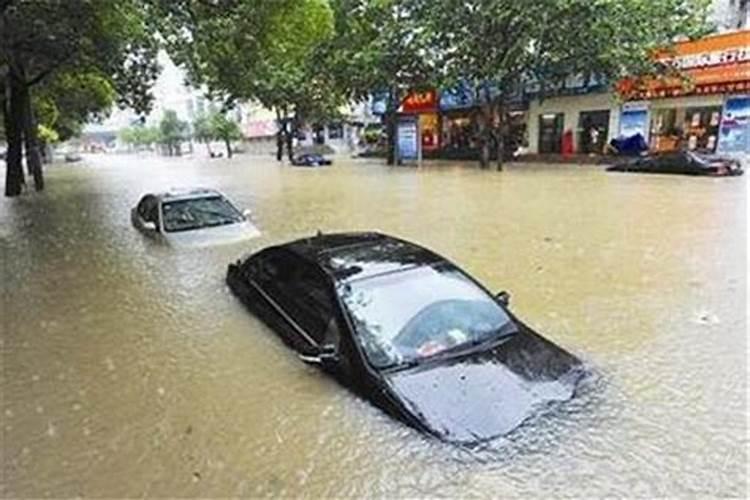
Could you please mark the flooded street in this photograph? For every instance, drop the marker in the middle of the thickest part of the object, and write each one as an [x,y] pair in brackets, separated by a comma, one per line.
[129,369]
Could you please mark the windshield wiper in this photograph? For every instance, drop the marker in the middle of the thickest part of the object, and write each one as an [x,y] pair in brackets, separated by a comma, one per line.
[402,365]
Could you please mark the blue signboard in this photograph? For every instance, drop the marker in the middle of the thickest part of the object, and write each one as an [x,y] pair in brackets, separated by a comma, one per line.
[463,95]
[408,139]
[459,97]
[734,131]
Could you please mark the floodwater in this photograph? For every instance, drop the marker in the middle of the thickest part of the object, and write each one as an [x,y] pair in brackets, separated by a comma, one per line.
[129,369]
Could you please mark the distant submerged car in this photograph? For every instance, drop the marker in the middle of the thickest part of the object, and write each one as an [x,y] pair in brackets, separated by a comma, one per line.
[72,157]
[192,218]
[681,162]
[408,330]
[310,160]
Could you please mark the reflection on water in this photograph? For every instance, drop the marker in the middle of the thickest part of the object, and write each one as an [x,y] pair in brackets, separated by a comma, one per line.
[129,369]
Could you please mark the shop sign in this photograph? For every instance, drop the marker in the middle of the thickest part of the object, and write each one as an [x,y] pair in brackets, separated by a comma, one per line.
[706,59]
[417,102]
[715,64]
[464,95]
[571,85]
[459,97]
[734,131]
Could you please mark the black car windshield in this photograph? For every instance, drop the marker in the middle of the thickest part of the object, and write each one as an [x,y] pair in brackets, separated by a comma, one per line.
[196,213]
[407,316]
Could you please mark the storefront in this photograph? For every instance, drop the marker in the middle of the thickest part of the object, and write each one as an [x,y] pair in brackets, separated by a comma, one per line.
[425,106]
[690,113]
[590,119]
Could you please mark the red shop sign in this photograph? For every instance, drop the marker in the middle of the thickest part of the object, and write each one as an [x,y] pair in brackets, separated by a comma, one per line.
[418,102]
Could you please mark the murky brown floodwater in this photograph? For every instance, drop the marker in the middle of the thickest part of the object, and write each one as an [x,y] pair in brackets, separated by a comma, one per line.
[130,370]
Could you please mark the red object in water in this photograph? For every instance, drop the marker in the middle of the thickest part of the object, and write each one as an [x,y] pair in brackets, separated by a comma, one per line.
[567,143]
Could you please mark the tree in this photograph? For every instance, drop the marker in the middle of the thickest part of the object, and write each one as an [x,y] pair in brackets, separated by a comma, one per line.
[40,39]
[498,45]
[225,129]
[139,136]
[172,132]
[381,46]
[203,131]
[69,99]
[268,52]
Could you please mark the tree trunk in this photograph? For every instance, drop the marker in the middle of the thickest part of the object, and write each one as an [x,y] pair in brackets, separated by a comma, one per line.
[279,137]
[500,134]
[391,124]
[13,121]
[484,135]
[208,148]
[33,159]
[229,148]
[289,145]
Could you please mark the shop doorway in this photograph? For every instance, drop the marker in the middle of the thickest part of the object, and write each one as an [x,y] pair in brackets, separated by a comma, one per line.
[593,130]
[665,135]
[550,132]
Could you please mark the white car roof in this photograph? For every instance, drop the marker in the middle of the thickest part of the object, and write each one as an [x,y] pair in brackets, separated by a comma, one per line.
[187,194]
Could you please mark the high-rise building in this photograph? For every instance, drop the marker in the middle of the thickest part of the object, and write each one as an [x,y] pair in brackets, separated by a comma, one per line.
[730,15]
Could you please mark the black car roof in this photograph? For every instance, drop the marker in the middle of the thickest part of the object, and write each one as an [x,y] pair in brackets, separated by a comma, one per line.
[350,256]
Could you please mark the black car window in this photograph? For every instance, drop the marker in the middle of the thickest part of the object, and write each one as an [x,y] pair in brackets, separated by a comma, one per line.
[197,213]
[300,290]
[409,315]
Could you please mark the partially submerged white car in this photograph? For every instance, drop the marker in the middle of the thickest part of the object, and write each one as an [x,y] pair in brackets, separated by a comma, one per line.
[198,217]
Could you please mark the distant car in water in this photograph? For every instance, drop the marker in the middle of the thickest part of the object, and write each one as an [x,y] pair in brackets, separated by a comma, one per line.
[192,218]
[681,162]
[408,330]
[310,160]
[72,157]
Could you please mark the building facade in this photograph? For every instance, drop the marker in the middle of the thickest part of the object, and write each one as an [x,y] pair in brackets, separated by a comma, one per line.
[702,112]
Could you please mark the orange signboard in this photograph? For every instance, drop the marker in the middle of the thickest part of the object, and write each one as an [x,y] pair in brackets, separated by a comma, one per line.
[715,64]
[419,102]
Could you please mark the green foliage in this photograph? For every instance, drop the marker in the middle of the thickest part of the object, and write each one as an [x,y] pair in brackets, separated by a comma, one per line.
[268,52]
[216,127]
[224,128]
[202,129]
[172,132]
[48,135]
[506,41]
[139,136]
[112,41]
[380,45]
[69,99]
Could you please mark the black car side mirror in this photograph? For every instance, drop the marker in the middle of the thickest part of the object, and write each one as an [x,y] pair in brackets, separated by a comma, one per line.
[327,354]
[503,297]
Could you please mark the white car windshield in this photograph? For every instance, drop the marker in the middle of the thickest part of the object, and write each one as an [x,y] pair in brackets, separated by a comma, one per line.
[197,213]
[407,316]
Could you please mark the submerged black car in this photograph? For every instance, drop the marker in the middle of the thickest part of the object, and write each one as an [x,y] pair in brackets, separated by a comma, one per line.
[681,162]
[408,330]
[310,160]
